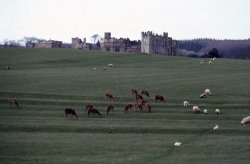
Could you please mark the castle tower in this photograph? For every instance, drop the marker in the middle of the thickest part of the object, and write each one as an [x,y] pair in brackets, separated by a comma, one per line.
[145,42]
[84,40]
[107,35]
[156,44]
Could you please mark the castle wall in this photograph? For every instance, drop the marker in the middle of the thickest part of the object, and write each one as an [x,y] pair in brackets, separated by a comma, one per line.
[157,44]
[49,44]
[77,43]
[119,45]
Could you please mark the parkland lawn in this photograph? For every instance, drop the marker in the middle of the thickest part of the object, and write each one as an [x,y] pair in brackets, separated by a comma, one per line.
[45,81]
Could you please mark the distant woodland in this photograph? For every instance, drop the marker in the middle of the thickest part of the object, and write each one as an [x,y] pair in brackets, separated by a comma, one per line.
[225,48]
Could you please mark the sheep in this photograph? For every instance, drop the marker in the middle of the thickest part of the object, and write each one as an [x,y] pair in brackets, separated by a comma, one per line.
[110,65]
[196,110]
[208,92]
[213,59]
[210,62]
[217,111]
[245,120]
[177,144]
[203,95]
[216,127]
[205,111]
[185,103]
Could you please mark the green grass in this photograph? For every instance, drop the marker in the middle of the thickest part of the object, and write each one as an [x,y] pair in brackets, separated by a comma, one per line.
[45,81]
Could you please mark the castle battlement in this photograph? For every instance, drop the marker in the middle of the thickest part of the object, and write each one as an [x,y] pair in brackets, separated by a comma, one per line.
[151,34]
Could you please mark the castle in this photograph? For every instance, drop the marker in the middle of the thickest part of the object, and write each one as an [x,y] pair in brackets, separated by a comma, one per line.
[150,43]
[158,44]
[49,44]
[77,43]
[119,45]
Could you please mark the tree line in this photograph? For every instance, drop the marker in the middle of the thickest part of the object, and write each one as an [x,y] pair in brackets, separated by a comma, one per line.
[220,48]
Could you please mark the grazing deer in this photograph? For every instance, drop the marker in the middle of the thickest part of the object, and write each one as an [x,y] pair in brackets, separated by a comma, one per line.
[159,98]
[110,108]
[109,97]
[13,102]
[70,112]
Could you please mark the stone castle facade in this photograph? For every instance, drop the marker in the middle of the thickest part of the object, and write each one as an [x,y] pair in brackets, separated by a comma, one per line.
[119,45]
[158,44]
[77,43]
[150,43]
[49,44]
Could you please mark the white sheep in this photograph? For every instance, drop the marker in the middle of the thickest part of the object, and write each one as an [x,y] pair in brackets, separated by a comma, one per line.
[185,103]
[217,111]
[207,92]
[245,120]
[110,65]
[205,111]
[203,95]
[196,109]
[214,59]
[177,144]
[210,62]
[216,127]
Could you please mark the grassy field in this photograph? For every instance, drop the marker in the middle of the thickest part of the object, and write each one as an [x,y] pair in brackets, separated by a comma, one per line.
[45,81]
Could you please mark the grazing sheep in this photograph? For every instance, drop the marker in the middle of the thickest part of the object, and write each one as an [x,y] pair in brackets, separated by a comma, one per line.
[210,62]
[203,95]
[110,65]
[177,144]
[196,109]
[105,68]
[205,111]
[216,127]
[217,111]
[214,59]
[245,120]
[208,92]
[185,103]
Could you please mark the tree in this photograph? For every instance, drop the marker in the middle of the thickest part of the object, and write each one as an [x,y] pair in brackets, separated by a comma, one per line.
[214,53]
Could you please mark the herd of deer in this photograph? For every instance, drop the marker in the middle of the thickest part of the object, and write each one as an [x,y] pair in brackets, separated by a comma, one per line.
[139,105]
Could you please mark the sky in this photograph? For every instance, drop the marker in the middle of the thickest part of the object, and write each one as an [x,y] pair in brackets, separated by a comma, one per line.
[182,19]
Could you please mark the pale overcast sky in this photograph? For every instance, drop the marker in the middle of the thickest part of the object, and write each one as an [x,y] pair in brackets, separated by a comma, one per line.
[182,19]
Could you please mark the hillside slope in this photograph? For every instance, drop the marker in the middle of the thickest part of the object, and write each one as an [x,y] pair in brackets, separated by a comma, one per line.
[45,81]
